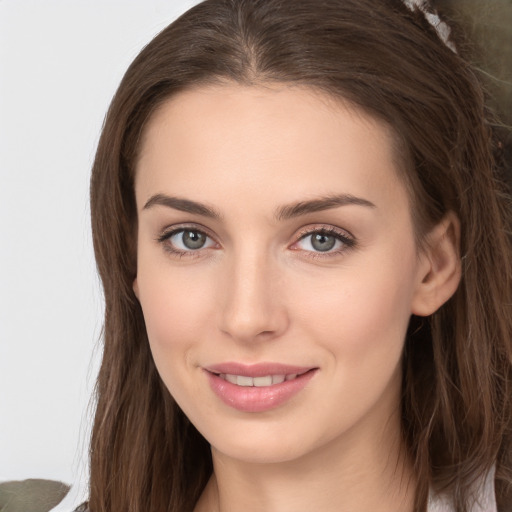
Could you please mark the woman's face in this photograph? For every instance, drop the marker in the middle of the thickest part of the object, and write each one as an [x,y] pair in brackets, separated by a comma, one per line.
[277,268]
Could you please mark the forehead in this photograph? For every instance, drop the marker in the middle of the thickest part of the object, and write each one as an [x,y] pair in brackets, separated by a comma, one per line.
[269,139]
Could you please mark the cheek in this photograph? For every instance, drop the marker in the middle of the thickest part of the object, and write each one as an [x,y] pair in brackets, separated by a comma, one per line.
[177,313]
[361,313]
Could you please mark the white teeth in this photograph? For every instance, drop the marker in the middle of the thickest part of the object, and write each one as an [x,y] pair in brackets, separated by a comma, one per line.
[277,379]
[266,380]
[231,378]
[241,380]
[263,381]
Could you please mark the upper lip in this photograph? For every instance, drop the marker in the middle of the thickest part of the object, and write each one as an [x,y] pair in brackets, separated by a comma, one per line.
[257,370]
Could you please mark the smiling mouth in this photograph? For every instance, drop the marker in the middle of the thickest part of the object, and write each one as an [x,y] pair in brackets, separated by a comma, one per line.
[259,382]
[258,388]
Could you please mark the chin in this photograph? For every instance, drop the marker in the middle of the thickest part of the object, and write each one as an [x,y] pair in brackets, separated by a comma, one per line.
[271,444]
[258,453]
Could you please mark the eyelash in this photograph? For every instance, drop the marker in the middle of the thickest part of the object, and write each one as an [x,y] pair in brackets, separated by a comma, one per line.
[165,237]
[347,240]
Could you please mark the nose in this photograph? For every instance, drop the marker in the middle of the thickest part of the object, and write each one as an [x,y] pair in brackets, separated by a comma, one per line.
[251,306]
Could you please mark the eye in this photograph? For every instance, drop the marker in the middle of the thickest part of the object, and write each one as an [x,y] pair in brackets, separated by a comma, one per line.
[184,240]
[325,240]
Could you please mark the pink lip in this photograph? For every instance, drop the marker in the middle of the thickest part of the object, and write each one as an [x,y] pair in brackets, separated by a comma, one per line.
[257,399]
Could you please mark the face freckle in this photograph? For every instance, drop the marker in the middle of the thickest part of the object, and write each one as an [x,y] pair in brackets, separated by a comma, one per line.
[275,240]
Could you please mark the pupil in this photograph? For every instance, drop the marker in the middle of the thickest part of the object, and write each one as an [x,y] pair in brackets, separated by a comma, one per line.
[323,242]
[193,239]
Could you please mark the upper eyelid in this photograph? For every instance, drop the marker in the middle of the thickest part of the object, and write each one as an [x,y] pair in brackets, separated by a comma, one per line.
[302,232]
[326,228]
[176,228]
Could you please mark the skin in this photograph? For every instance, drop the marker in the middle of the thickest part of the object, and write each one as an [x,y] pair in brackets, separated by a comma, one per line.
[260,291]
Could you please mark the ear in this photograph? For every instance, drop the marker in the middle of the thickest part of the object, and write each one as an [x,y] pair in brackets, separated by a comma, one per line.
[135,287]
[440,267]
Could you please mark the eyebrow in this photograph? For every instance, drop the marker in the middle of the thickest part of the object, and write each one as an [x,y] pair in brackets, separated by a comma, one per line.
[322,203]
[282,213]
[183,205]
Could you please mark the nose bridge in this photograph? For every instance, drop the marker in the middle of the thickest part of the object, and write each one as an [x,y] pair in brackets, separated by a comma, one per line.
[251,307]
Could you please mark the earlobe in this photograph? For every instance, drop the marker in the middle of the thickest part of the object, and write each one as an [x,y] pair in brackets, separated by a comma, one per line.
[135,287]
[440,267]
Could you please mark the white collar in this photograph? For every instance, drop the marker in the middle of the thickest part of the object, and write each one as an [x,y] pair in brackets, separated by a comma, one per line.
[485,492]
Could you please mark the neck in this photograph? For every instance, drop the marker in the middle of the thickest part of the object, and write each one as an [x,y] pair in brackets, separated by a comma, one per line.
[348,474]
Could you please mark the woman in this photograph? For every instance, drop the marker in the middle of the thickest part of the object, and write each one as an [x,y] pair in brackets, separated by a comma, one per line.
[303,237]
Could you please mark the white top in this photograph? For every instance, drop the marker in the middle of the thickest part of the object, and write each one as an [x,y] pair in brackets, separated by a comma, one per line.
[75,497]
[485,493]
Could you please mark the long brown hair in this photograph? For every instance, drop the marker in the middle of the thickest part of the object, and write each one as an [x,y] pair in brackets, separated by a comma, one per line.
[389,61]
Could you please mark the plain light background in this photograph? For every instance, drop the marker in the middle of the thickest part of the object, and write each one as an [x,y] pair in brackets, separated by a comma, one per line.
[60,64]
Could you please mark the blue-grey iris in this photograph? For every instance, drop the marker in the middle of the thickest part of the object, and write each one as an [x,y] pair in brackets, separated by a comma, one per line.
[193,239]
[323,242]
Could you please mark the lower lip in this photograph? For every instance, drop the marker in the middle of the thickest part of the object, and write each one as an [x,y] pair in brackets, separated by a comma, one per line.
[257,399]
